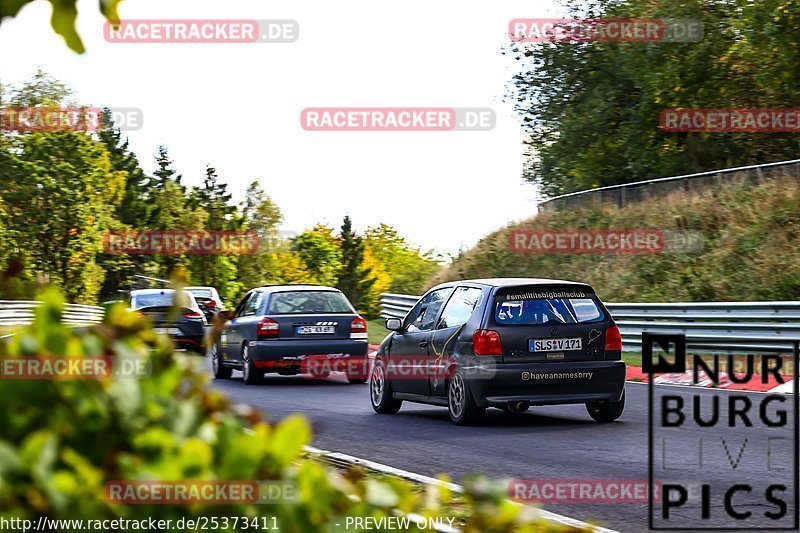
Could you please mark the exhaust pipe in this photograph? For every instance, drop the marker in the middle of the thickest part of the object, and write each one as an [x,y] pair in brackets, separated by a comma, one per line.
[519,407]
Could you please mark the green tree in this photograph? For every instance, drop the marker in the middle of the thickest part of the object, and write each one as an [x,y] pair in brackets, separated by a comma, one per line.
[172,211]
[214,198]
[354,279]
[319,250]
[592,110]
[61,221]
[133,211]
[262,215]
[408,267]
[61,193]
[166,171]
[214,201]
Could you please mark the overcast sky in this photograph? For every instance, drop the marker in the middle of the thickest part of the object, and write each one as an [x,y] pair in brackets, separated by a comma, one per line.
[237,106]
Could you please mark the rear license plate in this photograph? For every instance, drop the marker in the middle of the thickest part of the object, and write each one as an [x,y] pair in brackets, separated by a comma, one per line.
[554,345]
[167,331]
[315,330]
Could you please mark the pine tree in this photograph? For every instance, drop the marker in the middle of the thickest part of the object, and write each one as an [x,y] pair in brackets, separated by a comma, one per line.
[165,170]
[215,199]
[354,279]
[133,210]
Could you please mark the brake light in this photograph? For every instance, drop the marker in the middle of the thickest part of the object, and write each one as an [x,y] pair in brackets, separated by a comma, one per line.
[487,342]
[267,328]
[212,303]
[358,325]
[613,339]
[193,314]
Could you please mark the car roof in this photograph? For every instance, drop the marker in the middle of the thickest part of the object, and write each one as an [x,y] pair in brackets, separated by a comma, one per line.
[152,291]
[299,287]
[513,282]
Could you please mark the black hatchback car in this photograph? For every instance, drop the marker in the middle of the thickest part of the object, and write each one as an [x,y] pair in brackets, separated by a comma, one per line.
[505,343]
[292,329]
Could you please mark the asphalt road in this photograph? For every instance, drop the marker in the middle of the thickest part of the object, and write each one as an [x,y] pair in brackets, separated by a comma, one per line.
[547,443]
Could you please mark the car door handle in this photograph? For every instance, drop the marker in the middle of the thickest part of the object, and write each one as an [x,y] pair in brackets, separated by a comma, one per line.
[423,344]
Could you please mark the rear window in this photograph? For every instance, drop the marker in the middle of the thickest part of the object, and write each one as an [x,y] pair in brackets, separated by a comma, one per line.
[160,299]
[532,311]
[308,302]
[202,293]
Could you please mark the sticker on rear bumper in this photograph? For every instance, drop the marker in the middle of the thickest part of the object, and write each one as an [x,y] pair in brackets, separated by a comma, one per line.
[532,376]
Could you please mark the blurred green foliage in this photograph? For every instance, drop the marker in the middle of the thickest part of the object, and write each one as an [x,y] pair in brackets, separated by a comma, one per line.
[62,440]
[65,13]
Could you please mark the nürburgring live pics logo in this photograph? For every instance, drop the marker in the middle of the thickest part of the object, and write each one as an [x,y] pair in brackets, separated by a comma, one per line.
[739,471]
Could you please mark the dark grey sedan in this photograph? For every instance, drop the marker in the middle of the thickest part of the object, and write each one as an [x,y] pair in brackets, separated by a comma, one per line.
[289,330]
[173,314]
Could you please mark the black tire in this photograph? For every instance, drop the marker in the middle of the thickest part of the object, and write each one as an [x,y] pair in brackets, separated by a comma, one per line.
[606,412]
[219,370]
[251,374]
[380,390]
[460,404]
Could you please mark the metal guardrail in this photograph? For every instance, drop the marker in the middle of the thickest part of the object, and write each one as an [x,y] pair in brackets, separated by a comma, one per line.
[709,326]
[628,193]
[21,312]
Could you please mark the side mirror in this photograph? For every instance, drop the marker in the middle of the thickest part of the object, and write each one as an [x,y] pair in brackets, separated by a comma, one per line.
[394,324]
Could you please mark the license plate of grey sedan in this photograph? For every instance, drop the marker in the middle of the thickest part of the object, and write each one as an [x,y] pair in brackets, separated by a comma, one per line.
[316,330]
[167,331]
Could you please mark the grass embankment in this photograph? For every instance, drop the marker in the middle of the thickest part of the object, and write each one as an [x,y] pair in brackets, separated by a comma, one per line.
[376,330]
[750,248]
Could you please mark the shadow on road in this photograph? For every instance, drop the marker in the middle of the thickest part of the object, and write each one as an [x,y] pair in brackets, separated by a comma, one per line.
[274,380]
[496,418]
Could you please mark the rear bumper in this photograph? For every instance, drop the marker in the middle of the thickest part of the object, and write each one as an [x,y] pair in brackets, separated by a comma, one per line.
[189,342]
[547,383]
[301,354]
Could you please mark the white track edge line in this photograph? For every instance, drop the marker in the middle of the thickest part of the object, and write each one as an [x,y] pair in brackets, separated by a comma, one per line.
[386,469]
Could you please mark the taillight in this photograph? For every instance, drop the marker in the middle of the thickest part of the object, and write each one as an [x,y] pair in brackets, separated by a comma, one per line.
[358,325]
[268,328]
[487,342]
[212,303]
[193,314]
[613,339]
